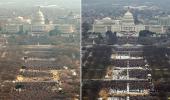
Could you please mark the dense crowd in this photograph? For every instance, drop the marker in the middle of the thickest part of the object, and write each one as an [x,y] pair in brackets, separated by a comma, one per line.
[132,63]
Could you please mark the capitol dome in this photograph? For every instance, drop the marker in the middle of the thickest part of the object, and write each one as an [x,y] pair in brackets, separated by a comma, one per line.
[128,14]
[38,17]
[128,18]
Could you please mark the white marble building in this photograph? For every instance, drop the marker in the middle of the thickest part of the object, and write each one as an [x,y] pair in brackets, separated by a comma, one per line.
[164,20]
[125,24]
[35,25]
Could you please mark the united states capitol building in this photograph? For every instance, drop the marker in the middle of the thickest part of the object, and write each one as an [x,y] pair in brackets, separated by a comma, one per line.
[125,24]
[38,23]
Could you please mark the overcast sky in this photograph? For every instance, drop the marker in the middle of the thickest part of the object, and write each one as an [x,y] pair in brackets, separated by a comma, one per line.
[45,3]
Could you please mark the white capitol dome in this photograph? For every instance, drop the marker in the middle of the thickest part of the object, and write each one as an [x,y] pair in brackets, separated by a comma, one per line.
[38,17]
[128,18]
[128,14]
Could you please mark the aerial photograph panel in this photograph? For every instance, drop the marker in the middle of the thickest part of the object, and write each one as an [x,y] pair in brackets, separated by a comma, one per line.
[39,50]
[125,50]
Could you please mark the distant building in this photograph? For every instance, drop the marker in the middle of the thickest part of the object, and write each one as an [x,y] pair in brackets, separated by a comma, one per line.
[38,23]
[71,18]
[65,28]
[125,24]
[12,28]
[35,25]
[72,21]
[164,21]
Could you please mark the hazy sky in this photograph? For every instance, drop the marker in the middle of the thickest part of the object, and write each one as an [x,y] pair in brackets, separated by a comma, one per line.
[45,3]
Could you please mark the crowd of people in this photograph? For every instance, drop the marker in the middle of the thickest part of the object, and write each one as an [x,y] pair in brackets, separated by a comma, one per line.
[132,63]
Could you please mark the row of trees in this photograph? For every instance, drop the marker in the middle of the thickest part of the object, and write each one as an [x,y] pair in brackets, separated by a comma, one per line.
[146,33]
[55,32]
